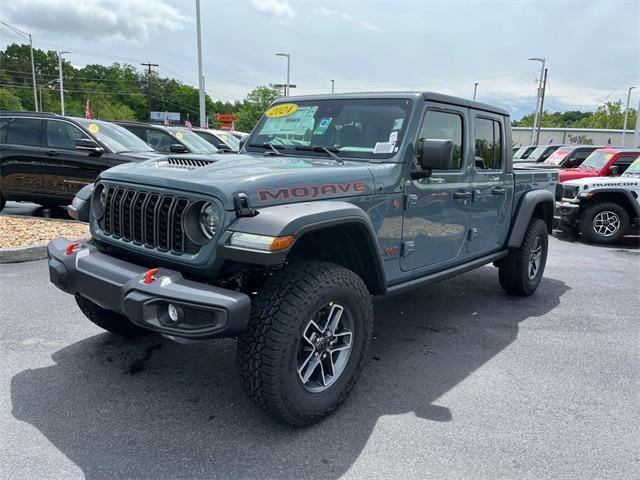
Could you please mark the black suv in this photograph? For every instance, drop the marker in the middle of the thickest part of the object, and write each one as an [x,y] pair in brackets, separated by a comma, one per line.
[170,139]
[46,158]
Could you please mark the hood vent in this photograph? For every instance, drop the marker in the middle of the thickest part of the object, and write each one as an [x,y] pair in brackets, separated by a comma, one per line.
[188,163]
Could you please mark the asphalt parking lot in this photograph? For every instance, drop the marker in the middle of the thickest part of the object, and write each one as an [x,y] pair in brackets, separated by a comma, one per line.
[464,382]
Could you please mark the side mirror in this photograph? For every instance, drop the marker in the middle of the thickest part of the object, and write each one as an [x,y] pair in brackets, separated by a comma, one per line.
[224,147]
[614,170]
[178,148]
[88,145]
[433,155]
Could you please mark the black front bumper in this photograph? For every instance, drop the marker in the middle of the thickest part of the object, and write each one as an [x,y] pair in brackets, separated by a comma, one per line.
[206,311]
[568,212]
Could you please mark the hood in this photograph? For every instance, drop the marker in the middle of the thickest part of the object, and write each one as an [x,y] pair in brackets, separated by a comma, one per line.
[591,182]
[139,156]
[267,180]
[575,173]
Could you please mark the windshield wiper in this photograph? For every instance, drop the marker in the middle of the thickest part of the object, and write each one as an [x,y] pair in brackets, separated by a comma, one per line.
[269,148]
[318,148]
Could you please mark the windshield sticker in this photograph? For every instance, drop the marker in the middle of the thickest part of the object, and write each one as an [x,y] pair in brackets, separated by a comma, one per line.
[384,147]
[223,137]
[608,156]
[393,137]
[397,124]
[180,135]
[282,110]
[322,126]
[93,128]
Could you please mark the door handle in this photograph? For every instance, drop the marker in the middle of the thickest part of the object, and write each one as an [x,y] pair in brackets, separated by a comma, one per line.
[499,190]
[53,153]
[462,194]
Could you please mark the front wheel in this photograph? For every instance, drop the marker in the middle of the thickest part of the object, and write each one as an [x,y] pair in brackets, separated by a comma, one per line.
[521,272]
[307,341]
[604,223]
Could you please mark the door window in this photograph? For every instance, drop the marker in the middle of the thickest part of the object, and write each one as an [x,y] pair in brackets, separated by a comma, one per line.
[488,144]
[63,135]
[443,126]
[623,162]
[160,141]
[24,131]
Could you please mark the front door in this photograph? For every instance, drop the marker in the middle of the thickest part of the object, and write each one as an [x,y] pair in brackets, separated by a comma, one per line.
[66,170]
[492,186]
[437,208]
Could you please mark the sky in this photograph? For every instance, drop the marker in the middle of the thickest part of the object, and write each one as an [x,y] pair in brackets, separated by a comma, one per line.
[592,48]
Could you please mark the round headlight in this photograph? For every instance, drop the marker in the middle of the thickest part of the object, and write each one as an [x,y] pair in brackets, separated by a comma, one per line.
[209,217]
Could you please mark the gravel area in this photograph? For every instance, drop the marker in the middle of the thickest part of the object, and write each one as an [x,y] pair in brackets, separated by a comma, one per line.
[22,232]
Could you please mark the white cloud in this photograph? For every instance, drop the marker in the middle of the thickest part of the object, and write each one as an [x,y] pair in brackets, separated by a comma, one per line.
[129,20]
[326,12]
[279,9]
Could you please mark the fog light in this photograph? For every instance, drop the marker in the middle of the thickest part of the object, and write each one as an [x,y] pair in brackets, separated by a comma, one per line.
[174,312]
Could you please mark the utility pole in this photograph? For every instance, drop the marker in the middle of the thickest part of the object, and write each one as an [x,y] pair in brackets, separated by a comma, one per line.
[538,96]
[333,86]
[636,136]
[544,88]
[40,88]
[626,115]
[61,81]
[286,88]
[33,67]
[149,65]
[475,90]
[203,114]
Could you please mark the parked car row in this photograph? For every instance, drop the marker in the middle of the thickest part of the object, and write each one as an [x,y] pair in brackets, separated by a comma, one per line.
[46,158]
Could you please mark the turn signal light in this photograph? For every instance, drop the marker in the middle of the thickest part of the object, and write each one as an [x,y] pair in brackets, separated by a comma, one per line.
[261,242]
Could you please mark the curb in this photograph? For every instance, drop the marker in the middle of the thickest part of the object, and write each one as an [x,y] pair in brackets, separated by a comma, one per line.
[29,253]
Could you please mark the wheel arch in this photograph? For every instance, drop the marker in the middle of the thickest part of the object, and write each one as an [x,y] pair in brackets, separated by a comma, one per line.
[332,231]
[533,204]
[624,198]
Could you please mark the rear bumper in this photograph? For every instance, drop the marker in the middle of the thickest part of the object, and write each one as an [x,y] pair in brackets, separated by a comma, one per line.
[205,311]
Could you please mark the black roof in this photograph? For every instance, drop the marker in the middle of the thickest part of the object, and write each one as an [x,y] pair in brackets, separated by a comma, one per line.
[30,114]
[430,96]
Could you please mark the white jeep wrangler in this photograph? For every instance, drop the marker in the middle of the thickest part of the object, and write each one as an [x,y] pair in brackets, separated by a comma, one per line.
[602,209]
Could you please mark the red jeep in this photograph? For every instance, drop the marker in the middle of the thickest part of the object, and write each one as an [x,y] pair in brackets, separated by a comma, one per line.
[604,162]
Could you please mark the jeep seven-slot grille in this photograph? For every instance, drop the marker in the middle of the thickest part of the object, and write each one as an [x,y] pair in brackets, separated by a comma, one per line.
[147,218]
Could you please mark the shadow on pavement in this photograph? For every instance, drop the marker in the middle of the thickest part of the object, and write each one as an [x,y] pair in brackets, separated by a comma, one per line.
[627,242]
[33,210]
[158,409]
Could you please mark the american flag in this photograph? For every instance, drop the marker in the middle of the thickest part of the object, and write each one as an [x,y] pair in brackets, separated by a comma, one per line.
[188,124]
[608,143]
[87,110]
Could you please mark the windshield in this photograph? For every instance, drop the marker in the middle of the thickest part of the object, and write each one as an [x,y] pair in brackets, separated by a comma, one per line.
[557,157]
[194,142]
[523,152]
[634,169]
[537,153]
[229,139]
[596,160]
[116,138]
[353,128]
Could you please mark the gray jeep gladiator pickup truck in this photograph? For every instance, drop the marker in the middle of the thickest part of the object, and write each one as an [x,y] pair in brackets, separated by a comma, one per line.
[332,200]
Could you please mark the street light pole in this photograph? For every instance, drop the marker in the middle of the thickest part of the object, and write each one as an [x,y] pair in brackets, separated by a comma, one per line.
[286,87]
[538,96]
[475,90]
[333,85]
[636,136]
[203,114]
[61,81]
[626,115]
[33,67]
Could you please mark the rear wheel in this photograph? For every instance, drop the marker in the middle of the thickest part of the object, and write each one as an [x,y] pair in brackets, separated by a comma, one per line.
[307,342]
[604,223]
[108,320]
[521,272]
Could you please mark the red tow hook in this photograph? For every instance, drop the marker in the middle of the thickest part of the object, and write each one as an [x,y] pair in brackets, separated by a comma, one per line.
[70,248]
[149,276]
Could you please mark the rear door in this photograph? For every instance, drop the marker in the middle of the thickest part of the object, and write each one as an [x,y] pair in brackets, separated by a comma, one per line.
[20,157]
[437,208]
[492,185]
[66,170]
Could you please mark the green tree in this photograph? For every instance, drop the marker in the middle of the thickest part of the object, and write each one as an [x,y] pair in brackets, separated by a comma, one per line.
[9,101]
[257,101]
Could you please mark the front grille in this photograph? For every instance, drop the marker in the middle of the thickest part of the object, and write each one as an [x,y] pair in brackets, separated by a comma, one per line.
[570,191]
[147,218]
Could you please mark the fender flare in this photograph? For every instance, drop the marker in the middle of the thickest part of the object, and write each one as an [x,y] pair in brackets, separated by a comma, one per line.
[627,193]
[298,219]
[528,203]
[81,204]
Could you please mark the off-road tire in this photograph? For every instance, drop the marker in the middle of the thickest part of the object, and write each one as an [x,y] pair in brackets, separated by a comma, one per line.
[106,319]
[589,214]
[280,312]
[514,270]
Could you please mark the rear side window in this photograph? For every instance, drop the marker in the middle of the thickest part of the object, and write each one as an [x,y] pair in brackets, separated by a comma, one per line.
[488,144]
[160,141]
[443,126]
[63,135]
[624,161]
[24,131]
